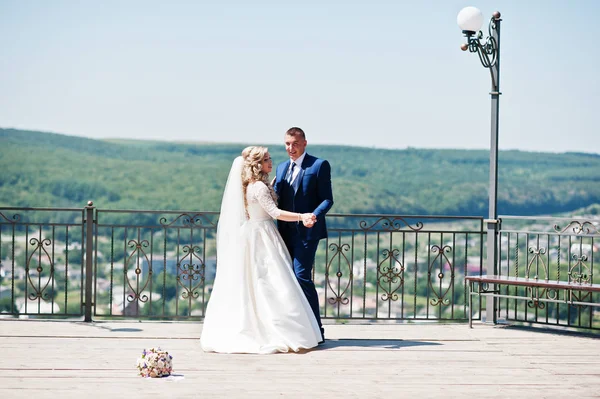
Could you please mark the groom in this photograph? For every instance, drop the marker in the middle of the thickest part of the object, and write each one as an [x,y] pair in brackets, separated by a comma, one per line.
[303,185]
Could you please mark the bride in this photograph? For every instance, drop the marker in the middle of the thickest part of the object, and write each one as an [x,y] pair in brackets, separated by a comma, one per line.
[256,305]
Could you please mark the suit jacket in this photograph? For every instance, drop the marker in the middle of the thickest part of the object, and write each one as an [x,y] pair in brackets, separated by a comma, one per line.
[313,194]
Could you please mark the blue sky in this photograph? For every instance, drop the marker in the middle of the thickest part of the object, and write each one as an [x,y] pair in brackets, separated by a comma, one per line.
[386,74]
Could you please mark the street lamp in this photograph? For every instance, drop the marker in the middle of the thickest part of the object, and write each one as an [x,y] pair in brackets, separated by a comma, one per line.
[470,19]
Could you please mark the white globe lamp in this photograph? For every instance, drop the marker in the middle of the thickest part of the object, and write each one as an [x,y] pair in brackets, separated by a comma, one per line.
[470,19]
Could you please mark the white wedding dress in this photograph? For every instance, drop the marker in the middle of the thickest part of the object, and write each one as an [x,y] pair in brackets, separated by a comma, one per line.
[256,305]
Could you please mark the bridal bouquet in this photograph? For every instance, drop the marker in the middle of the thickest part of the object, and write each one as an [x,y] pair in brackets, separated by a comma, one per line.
[155,363]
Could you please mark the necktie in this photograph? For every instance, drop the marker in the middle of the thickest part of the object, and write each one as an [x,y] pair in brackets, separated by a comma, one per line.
[290,176]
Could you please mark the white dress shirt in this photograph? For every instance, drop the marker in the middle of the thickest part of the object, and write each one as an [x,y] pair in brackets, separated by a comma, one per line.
[298,162]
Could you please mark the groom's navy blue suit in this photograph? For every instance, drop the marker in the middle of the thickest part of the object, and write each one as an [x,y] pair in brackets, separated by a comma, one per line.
[310,192]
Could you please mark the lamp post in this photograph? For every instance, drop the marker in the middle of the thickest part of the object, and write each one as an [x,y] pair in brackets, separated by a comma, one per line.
[470,20]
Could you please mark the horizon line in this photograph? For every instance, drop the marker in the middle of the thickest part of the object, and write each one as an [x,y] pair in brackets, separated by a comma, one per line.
[374,147]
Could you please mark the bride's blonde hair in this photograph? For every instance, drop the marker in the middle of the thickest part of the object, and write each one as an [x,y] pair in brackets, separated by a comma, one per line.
[252,170]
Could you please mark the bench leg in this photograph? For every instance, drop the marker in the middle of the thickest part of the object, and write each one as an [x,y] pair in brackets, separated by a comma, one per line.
[470,305]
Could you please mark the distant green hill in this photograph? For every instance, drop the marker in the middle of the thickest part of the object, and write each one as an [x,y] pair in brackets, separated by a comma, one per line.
[51,170]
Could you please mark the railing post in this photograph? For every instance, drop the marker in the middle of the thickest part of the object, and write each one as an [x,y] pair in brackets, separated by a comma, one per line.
[89,246]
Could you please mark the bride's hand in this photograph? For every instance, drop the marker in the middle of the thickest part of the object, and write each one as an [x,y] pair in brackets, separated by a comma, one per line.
[308,219]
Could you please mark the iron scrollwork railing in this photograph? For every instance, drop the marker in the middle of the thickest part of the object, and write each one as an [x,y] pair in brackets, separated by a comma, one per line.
[578,228]
[191,275]
[161,264]
[537,258]
[14,219]
[552,249]
[341,290]
[390,274]
[188,220]
[372,267]
[440,297]
[380,266]
[39,291]
[138,287]
[390,223]
[173,252]
[41,260]
[190,272]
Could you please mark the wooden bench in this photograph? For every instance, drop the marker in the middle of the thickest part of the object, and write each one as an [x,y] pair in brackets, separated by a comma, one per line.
[572,290]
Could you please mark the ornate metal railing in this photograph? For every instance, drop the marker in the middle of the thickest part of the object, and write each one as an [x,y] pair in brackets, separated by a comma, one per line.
[96,263]
[41,261]
[398,267]
[553,249]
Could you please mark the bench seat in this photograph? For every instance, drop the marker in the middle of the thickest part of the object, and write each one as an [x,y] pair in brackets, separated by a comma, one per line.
[483,282]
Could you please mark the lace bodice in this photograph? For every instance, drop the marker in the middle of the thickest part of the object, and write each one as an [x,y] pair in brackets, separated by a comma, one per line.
[260,202]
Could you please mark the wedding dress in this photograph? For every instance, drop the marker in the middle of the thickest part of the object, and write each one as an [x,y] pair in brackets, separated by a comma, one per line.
[256,305]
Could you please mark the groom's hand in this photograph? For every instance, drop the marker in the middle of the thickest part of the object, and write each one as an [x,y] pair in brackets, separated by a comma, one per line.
[309,220]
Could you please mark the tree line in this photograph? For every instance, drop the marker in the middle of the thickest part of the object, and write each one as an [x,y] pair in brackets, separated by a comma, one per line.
[39,169]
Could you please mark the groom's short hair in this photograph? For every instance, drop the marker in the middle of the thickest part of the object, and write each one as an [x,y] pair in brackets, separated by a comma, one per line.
[296,131]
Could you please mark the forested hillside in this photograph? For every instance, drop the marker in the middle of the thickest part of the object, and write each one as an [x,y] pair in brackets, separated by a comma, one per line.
[51,170]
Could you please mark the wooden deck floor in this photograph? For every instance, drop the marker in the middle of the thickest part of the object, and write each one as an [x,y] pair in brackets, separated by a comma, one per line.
[64,359]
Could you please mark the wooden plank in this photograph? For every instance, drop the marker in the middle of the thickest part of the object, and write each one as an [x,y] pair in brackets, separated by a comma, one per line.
[72,359]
